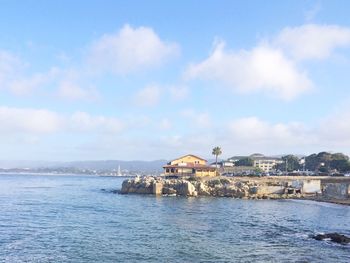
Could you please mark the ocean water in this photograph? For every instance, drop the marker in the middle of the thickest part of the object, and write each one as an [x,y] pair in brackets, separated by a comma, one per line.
[80,219]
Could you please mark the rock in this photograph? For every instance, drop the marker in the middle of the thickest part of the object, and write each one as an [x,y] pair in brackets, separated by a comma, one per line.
[253,190]
[230,191]
[239,184]
[186,188]
[225,187]
[137,179]
[125,186]
[144,190]
[225,181]
[334,237]
[202,189]
[169,191]
[214,182]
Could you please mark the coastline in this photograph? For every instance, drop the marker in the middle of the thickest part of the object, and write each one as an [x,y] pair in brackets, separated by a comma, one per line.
[281,187]
[321,199]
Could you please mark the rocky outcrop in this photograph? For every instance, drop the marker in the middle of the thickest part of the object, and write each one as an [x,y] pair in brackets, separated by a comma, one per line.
[334,237]
[220,186]
[138,186]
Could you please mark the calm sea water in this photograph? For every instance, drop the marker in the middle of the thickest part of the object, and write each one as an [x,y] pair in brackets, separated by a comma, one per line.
[79,219]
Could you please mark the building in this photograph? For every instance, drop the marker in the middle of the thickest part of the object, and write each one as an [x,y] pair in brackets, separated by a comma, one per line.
[189,165]
[265,163]
[222,164]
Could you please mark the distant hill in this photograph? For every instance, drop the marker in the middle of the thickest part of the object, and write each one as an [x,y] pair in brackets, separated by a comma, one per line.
[145,166]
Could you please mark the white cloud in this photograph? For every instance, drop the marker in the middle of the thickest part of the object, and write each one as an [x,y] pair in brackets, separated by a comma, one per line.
[254,134]
[335,128]
[26,120]
[165,124]
[72,91]
[129,50]
[23,85]
[14,79]
[148,96]
[253,130]
[42,121]
[84,122]
[197,119]
[262,69]
[178,93]
[313,41]
[9,65]
[311,13]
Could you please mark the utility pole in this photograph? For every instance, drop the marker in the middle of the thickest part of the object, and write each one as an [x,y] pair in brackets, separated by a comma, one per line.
[286,165]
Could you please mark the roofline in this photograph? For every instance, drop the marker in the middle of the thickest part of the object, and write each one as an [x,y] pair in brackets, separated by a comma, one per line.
[188,155]
[255,158]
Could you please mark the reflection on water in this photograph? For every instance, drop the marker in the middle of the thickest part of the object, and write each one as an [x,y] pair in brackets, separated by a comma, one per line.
[71,219]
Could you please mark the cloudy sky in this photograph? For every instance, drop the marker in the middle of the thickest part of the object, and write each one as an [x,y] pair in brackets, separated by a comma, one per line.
[156,79]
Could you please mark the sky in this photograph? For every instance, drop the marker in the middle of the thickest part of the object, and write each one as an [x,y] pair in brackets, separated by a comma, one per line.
[146,80]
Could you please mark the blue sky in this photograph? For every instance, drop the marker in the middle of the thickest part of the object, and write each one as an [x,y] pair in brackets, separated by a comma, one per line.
[156,79]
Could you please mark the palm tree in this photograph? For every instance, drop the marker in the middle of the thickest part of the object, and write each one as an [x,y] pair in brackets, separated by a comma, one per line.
[216,151]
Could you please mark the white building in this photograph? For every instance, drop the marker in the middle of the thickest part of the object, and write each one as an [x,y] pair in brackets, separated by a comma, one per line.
[265,163]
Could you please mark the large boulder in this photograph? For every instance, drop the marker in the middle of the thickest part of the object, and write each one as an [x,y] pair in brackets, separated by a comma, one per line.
[214,183]
[169,191]
[241,193]
[126,185]
[203,189]
[185,188]
[253,190]
[230,191]
[334,237]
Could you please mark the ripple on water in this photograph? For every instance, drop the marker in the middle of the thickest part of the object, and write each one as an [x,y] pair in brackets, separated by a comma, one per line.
[70,219]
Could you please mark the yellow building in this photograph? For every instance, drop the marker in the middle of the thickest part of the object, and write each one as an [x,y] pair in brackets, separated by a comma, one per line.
[189,165]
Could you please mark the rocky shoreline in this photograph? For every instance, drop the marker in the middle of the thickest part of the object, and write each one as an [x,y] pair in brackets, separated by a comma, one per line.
[244,188]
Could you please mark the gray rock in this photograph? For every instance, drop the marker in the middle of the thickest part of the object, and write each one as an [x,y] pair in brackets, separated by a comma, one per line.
[334,237]
[169,191]
[253,190]
[203,189]
[185,188]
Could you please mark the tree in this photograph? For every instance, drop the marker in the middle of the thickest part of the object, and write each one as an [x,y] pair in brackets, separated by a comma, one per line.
[340,165]
[324,162]
[315,162]
[244,162]
[312,162]
[340,162]
[290,163]
[216,151]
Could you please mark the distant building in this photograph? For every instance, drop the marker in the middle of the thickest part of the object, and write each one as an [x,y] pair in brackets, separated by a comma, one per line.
[265,163]
[189,165]
[223,164]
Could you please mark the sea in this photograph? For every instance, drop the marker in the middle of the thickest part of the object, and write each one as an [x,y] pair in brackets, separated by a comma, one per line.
[78,218]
